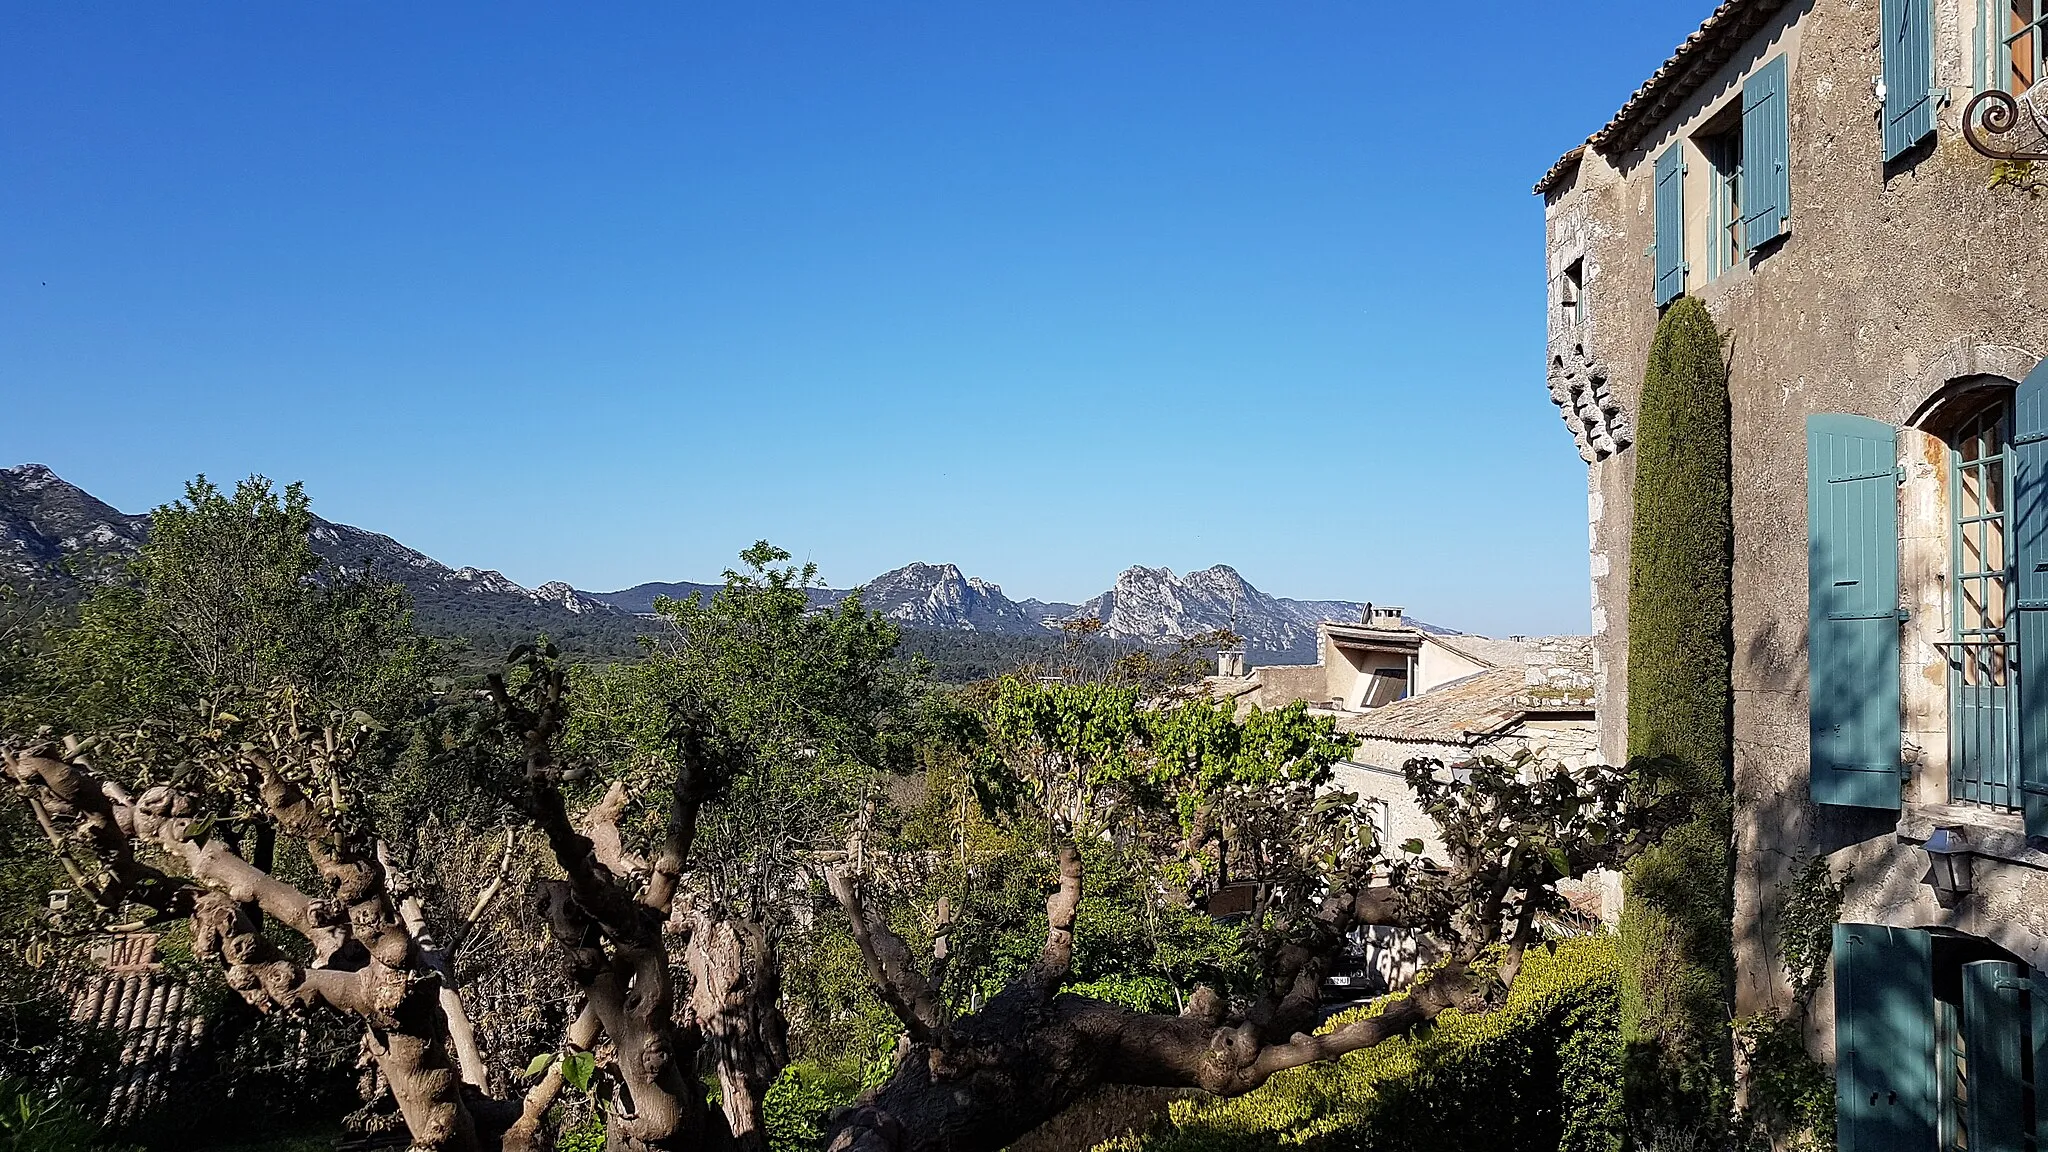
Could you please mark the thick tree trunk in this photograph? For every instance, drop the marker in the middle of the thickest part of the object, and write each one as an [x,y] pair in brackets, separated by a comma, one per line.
[662,1108]
[426,1085]
[1019,1062]
[736,983]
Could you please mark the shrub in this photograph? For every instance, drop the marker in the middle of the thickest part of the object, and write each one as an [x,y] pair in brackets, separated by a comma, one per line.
[798,1102]
[1538,1073]
[586,1137]
[1676,938]
[33,1121]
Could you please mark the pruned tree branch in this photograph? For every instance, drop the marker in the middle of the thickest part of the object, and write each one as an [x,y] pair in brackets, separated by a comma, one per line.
[890,967]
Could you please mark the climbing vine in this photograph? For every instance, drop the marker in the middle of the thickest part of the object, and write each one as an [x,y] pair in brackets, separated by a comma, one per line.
[1791,1097]
[1808,906]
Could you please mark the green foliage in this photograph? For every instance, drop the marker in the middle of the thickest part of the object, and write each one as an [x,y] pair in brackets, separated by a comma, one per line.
[1676,934]
[1538,1073]
[1808,907]
[587,1137]
[1137,993]
[33,1121]
[803,709]
[798,1102]
[226,598]
[836,1021]
[2019,175]
[1791,1096]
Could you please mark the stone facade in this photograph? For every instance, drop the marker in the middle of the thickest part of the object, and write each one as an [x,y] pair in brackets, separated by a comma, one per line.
[1895,284]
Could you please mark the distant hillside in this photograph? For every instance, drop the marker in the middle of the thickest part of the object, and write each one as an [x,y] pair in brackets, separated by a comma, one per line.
[54,531]
[1145,606]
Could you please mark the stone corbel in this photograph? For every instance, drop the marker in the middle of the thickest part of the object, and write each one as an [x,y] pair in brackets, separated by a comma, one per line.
[1578,386]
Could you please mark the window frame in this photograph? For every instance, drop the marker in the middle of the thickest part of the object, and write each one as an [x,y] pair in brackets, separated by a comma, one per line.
[1572,295]
[1722,150]
[1983,653]
[1996,37]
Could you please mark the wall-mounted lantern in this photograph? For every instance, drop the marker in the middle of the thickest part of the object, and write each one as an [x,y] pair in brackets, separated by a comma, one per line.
[1948,860]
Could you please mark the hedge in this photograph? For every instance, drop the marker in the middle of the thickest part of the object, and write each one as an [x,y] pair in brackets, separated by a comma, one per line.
[1676,939]
[1541,1072]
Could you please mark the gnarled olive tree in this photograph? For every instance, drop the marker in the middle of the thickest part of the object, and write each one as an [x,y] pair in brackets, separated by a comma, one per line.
[981,1079]
[163,846]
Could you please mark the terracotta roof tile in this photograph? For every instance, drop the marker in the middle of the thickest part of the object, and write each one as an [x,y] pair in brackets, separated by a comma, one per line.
[1565,163]
[1691,65]
[1474,706]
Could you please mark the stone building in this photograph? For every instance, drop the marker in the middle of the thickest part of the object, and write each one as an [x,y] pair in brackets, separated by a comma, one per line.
[1821,175]
[1410,694]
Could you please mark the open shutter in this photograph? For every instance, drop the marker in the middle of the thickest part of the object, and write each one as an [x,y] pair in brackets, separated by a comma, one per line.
[1766,145]
[1909,96]
[1852,551]
[1884,1039]
[2030,559]
[1670,223]
[2039,995]
[1993,1027]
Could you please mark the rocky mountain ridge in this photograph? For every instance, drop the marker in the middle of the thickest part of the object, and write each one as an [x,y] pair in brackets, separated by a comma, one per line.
[52,529]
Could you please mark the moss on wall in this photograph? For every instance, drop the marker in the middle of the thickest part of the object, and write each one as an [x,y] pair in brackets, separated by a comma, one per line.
[1675,933]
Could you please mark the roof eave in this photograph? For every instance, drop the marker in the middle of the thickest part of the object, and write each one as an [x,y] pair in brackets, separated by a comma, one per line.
[1690,66]
[1565,165]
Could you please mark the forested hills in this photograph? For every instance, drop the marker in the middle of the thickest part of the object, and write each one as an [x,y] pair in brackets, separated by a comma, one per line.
[60,537]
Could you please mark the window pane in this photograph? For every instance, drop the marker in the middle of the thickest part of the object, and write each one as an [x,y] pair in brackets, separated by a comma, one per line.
[1973,604]
[2022,46]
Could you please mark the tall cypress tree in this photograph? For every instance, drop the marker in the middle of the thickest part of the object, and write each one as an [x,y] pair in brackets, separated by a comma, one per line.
[1676,930]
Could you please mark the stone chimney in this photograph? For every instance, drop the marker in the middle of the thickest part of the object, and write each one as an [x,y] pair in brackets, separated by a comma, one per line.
[1230,663]
[1383,615]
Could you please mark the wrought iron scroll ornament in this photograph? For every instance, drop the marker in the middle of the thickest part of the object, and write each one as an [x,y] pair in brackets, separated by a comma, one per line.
[1997,113]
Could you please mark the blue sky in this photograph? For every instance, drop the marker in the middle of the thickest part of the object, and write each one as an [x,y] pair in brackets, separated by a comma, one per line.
[1042,290]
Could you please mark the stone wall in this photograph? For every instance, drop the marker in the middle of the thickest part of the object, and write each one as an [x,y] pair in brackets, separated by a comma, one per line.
[1894,281]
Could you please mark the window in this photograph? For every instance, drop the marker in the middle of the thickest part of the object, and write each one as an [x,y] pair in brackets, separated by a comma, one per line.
[1958,962]
[1571,299]
[2012,44]
[1723,151]
[1669,248]
[1385,686]
[1380,814]
[1746,147]
[2025,44]
[1909,91]
[1982,716]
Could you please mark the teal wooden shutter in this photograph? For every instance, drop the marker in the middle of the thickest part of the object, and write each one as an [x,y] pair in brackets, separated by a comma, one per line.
[1909,96]
[1884,1039]
[2038,993]
[1670,223]
[1993,1024]
[2030,620]
[1852,591]
[1766,154]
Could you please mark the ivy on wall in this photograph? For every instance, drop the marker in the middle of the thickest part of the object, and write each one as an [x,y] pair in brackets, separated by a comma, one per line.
[1789,1096]
[1676,935]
